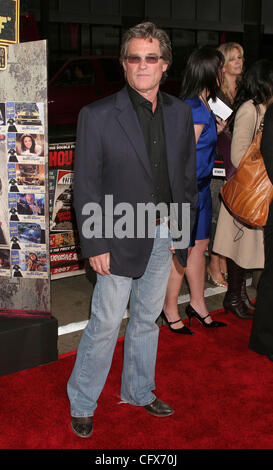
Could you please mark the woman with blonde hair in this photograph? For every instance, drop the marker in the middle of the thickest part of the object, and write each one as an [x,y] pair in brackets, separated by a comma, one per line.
[232,70]
[231,78]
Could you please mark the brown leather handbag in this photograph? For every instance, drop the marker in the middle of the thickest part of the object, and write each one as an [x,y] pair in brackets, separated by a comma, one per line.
[249,192]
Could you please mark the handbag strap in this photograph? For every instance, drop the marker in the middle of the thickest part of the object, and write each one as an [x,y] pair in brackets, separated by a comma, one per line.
[261,126]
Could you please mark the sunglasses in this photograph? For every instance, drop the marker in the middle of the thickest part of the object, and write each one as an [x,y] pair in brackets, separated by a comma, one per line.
[149,59]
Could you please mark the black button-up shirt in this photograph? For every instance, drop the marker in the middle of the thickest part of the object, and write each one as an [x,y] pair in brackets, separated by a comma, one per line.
[154,136]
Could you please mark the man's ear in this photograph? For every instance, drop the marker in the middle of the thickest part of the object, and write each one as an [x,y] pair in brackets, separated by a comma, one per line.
[165,66]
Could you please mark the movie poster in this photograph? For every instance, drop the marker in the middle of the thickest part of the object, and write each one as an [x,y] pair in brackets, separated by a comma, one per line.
[63,216]
[5,267]
[22,192]
[65,253]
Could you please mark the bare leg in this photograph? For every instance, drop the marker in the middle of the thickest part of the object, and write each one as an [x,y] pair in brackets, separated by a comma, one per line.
[173,290]
[195,273]
[215,268]
[223,264]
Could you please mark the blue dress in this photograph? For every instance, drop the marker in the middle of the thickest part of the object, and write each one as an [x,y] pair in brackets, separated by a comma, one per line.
[205,156]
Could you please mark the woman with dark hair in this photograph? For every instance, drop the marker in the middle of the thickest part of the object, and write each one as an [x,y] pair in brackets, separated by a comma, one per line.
[201,81]
[243,246]
[261,338]
[29,146]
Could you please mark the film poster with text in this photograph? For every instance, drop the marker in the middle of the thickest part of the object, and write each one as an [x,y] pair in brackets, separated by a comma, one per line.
[65,254]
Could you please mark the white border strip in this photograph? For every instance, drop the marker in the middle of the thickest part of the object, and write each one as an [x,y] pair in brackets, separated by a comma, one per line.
[72,327]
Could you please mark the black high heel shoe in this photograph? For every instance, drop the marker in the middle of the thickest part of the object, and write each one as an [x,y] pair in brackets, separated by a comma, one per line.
[184,330]
[193,314]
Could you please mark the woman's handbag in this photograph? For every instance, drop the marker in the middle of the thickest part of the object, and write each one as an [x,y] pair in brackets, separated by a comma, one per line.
[249,192]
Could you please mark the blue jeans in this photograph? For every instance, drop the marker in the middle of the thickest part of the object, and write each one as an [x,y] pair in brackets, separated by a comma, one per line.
[109,302]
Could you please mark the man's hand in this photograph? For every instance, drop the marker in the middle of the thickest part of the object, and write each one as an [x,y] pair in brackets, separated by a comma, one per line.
[100,263]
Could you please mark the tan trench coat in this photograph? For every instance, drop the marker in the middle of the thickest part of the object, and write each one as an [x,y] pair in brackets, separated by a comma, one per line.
[243,245]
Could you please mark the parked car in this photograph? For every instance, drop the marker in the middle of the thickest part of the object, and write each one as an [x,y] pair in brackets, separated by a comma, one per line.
[80,81]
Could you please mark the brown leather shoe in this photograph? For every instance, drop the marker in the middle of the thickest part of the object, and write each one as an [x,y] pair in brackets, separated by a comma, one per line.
[83,426]
[159,408]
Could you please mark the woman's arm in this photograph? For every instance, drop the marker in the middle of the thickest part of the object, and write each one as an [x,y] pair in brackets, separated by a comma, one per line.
[243,132]
[198,131]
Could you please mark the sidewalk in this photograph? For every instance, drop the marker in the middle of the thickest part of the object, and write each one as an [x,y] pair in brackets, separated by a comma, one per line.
[70,300]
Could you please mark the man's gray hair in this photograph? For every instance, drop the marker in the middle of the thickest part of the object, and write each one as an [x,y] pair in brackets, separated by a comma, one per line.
[148,30]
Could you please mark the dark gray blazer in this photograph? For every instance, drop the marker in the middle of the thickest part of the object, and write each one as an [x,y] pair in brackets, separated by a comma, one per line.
[111,159]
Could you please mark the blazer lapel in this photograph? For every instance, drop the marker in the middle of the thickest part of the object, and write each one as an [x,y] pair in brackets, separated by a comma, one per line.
[128,120]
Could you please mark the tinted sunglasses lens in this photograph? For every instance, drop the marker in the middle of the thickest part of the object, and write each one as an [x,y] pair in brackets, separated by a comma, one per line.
[151,59]
[133,59]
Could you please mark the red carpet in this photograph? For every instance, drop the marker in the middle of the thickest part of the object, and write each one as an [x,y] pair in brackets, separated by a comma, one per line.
[222,393]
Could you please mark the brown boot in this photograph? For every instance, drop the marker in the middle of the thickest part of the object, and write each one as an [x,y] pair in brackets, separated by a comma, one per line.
[245,297]
[233,301]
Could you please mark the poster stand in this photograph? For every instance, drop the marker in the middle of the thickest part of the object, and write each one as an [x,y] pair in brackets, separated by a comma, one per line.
[28,332]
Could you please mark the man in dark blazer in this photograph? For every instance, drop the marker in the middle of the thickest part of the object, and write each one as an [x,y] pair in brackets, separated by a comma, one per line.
[134,149]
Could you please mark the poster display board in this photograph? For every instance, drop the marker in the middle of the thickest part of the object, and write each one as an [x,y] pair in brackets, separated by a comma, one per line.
[29,333]
[24,226]
[65,254]
[22,212]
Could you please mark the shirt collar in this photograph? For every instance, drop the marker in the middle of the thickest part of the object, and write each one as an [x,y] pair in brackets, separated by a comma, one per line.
[139,100]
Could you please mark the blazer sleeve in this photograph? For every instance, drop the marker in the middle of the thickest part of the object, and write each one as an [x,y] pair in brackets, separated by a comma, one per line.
[190,182]
[88,197]
[243,131]
[267,142]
